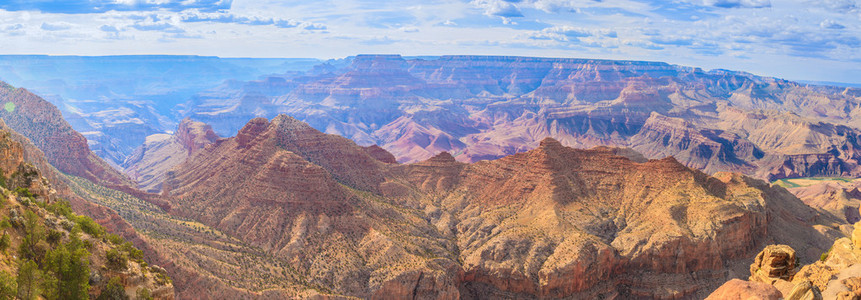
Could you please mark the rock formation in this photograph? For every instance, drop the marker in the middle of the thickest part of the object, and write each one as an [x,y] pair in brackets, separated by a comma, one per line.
[839,197]
[737,289]
[836,275]
[485,107]
[550,222]
[775,262]
[65,148]
[161,152]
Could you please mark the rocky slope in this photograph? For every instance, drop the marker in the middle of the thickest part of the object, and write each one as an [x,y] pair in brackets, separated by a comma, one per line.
[65,148]
[550,222]
[838,197]
[148,164]
[776,270]
[480,107]
[74,254]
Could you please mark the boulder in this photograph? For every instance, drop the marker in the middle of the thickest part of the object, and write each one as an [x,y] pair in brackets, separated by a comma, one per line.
[773,263]
[741,290]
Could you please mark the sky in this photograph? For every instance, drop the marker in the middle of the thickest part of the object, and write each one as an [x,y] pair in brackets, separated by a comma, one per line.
[792,39]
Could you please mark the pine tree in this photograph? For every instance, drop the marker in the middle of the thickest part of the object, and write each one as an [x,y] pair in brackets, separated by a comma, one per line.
[8,286]
[71,268]
[29,280]
[114,291]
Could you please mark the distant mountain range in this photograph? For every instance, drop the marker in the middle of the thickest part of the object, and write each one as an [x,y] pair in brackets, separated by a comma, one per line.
[116,101]
[481,107]
[476,107]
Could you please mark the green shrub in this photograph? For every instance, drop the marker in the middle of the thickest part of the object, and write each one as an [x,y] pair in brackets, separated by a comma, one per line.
[116,260]
[29,280]
[144,294]
[54,237]
[23,192]
[61,208]
[114,291]
[70,270]
[133,252]
[8,286]
[115,239]
[33,245]
[4,243]
[89,226]
[824,256]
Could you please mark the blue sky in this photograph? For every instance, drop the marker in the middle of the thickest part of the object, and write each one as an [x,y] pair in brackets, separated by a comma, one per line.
[797,39]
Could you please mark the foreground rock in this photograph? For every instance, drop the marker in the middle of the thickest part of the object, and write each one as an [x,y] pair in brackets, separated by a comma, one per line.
[837,275]
[738,289]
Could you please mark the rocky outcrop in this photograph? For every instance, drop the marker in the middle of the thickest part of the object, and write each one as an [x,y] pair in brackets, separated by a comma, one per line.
[841,198]
[707,150]
[737,289]
[161,152]
[775,267]
[813,165]
[775,262]
[194,136]
[836,275]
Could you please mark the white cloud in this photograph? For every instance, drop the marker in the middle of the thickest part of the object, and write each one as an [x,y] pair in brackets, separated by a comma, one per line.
[754,35]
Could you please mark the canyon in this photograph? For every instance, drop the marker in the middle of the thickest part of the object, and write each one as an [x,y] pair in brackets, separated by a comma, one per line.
[482,108]
[469,177]
[550,222]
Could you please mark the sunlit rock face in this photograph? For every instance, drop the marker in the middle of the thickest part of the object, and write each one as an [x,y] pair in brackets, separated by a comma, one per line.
[161,152]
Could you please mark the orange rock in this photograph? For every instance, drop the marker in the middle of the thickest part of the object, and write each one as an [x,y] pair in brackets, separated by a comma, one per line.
[773,263]
[738,289]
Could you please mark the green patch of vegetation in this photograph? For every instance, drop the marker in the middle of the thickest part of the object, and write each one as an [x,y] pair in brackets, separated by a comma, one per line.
[61,208]
[806,181]
[824,256]
[69,267]
[114,291]
[133,253]
[29,281]
[5,243]
[89,226]
[23,192]
[115,239]
[143,294]
[8,286]
[116,260]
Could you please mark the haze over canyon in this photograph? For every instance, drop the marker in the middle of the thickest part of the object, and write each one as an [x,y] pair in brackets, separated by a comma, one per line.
[449,177]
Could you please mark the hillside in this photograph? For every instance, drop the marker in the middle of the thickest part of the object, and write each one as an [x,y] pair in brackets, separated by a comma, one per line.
[550,222]
[43,124]
[48,251]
